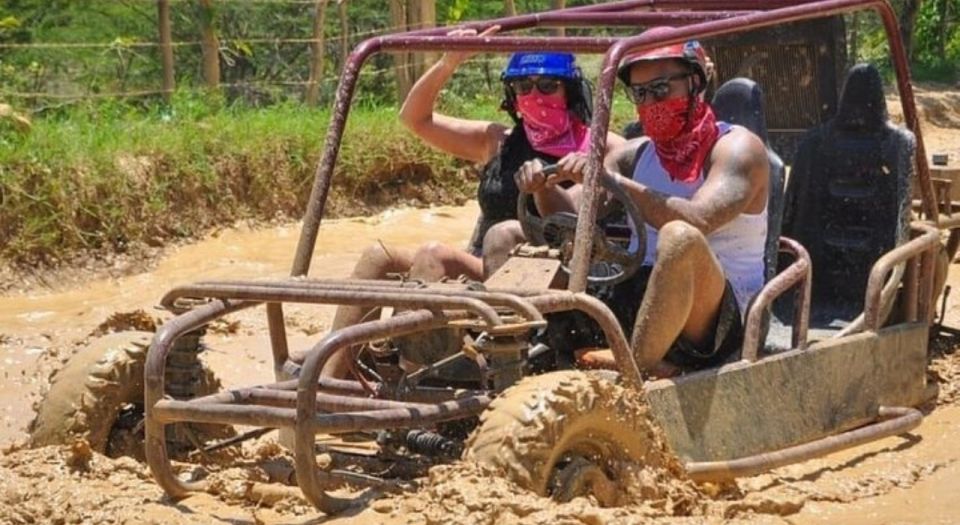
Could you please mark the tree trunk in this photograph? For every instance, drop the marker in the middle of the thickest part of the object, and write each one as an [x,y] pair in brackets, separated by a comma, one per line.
[166,48]
[908,21]
[317,52]
[344,33]
[401,59]
[942,29]
[408,15]
[559,4]
[421,14]
[509,8]
[210,45]
[854,40]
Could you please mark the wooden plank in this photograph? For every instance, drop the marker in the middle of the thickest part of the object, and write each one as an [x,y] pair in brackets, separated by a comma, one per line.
[791,398]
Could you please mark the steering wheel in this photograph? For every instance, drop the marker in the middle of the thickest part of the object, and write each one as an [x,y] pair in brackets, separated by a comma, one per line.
[611,261]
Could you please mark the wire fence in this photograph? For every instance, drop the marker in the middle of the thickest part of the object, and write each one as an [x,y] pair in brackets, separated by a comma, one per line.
[117,65]
[328,82]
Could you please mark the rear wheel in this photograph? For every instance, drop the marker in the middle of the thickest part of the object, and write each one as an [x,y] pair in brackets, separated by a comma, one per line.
[98,396]
[568,434]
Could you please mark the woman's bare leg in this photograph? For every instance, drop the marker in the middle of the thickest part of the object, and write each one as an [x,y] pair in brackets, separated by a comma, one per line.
[499,241]
[434,261]
[376,262]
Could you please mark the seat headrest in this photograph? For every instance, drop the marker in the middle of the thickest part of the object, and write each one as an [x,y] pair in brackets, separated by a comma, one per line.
[862,104]
[740,101]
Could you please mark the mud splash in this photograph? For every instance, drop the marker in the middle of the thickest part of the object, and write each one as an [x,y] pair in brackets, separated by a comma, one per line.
[73,484]
[466,493]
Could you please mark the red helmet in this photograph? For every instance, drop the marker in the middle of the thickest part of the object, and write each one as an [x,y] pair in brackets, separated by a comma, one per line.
[689,52]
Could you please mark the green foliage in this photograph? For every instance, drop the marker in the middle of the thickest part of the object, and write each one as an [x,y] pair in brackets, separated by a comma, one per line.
[937,40]
[936,43]
[105,175]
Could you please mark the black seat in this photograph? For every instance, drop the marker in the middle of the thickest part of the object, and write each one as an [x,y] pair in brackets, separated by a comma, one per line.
[740,101]
[848,198]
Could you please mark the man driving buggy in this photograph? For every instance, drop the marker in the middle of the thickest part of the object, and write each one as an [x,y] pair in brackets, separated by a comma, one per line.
[702,187]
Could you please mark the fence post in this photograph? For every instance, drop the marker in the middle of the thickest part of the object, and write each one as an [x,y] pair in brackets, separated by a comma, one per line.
[559,4]
[166,48]
[344,32]
[210,45]
[421,14]
[317,52]
[401,59]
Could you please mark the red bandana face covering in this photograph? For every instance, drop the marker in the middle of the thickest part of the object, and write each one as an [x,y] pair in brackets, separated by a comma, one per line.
[681,146]
[549,126]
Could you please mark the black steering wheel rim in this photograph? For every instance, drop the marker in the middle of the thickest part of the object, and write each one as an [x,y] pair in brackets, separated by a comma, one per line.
[609,251]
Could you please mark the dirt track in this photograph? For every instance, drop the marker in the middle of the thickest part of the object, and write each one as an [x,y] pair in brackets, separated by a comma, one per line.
[897,480]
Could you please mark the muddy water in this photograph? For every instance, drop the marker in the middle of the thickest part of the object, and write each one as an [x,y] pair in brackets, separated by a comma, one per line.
[46,323]
[237,254]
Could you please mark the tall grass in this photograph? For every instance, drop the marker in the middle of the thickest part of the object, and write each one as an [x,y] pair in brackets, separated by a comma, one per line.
[102,176]
[108,175]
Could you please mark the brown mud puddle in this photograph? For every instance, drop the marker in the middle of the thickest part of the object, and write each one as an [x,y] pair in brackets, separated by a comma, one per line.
[39,328]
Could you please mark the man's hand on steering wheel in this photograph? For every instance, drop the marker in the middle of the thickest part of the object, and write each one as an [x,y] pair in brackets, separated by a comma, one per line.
[533,177]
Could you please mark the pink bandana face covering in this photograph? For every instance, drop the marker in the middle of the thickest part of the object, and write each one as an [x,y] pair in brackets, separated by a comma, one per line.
[549,126]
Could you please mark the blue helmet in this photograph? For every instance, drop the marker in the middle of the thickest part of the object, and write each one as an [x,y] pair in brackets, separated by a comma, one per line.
[561,65]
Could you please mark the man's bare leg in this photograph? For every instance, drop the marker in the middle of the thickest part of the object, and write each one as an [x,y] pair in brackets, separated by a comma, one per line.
[682,298]
[376,262]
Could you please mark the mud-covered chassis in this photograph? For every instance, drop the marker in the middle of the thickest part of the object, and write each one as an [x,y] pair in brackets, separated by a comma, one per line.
[808,407]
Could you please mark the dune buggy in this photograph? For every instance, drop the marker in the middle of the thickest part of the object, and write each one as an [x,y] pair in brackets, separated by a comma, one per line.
[836,341]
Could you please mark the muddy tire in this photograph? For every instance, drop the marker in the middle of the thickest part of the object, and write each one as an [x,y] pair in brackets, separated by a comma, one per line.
[87,394]
[96,385]
[566,434]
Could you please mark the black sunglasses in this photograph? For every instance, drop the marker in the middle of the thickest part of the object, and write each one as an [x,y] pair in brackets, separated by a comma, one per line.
[523,86]
[658,87]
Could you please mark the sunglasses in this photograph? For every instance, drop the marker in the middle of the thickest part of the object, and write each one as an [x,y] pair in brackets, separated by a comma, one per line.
[545,85]
[658,87]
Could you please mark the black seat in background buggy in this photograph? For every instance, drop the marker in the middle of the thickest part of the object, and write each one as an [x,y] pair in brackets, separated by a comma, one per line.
[848,199]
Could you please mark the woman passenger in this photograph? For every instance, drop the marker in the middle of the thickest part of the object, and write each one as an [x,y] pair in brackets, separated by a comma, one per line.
[548,100]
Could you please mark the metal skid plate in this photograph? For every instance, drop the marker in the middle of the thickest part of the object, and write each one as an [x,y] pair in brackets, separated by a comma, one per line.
[745,408]
[528,273]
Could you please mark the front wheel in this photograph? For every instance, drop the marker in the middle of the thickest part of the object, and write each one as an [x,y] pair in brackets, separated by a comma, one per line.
[568,434]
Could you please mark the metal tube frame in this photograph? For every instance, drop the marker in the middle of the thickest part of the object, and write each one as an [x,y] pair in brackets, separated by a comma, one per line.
[436,306]
[922,247]
[892,421]
[798,275]
[764,14]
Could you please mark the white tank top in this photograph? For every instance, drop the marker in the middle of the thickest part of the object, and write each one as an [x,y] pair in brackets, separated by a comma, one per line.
[739,245]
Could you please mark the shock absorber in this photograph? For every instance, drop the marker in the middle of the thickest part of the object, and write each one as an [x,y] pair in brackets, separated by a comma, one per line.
[184,373]
[432,444]
[185,378]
